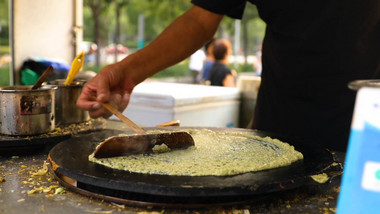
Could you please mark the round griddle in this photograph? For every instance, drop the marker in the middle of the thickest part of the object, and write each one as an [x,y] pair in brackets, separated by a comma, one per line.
[70,159]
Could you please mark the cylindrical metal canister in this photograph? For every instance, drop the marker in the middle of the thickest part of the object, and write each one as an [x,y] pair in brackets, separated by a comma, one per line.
[357,84]
[66,97]
[27,112]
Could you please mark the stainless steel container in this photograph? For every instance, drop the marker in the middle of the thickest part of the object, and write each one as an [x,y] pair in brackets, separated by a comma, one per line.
[27,112]
[357,84]
[66,97]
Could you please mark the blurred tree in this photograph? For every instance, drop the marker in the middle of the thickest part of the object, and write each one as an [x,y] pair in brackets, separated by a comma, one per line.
[97,8]
[121,18]
[4,23]
[159,13]
[252,30]
[118,5]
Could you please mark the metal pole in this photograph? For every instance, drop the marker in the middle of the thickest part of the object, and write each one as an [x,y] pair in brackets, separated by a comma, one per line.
[11,43]
[237,41]
[77,26]
[140,42]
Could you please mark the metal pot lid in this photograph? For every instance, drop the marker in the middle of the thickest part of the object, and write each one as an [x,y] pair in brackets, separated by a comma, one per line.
[70,158]
[26,89]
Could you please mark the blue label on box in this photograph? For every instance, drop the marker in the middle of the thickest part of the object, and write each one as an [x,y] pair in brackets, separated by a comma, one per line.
[360,188]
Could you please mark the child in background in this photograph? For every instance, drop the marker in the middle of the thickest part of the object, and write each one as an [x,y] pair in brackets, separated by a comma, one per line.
[220,73]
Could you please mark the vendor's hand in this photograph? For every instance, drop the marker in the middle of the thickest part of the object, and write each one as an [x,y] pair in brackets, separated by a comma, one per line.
[112,85]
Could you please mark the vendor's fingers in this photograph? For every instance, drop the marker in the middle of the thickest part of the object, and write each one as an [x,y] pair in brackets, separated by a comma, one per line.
[98,110]
[125,100]
[102,112]
[96,106]
[103,91]
[83,102]
[116,101]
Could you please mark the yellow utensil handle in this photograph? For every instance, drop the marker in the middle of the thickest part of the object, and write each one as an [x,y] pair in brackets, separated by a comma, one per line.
[170,123]
[75,67]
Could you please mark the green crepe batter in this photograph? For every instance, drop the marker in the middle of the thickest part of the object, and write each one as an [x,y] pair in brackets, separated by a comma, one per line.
[215,153]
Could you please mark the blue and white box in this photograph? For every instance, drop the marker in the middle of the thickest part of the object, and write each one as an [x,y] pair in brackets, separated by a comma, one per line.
[360,187]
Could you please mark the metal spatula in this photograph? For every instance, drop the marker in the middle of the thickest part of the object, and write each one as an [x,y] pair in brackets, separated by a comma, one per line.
[140,143]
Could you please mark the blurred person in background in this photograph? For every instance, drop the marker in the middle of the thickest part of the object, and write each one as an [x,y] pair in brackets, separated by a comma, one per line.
[258,64]
[311,51]
[220,73]
[90,55]
[196,65]
[208,62]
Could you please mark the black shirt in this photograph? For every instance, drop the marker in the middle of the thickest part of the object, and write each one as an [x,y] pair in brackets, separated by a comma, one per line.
[311,51]
[218,73]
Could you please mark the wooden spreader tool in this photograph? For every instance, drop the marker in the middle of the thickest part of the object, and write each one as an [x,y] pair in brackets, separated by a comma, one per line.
[43,77]
[141,142]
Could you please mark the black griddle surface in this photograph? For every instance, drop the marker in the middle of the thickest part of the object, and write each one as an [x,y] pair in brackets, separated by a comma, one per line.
[70,158]
[15,145]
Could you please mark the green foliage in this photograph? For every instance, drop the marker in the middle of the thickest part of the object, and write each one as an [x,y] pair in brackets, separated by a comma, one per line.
[92,68]
[160,13]
[88,24]
[4,74]
[182,70]
[255,28]
[178,70]
[245,68]
[4,23]
[4,50]
[4,35]
[4,6]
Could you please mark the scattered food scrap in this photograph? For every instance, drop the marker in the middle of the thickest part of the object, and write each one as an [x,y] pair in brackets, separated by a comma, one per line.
[320,178]
[53,189]
[42,171]
[99,211]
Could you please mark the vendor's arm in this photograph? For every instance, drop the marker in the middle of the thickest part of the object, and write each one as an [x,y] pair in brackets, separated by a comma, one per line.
[115,82]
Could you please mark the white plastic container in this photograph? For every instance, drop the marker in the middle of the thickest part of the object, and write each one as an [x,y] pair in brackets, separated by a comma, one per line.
[153,103]
[248,86]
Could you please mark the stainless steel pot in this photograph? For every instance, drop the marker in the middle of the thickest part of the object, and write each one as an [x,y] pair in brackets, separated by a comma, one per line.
[27,112]
[66,97]
[357,84]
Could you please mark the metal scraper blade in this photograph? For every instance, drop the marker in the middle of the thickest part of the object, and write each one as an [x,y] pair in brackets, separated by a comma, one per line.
[137,144]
